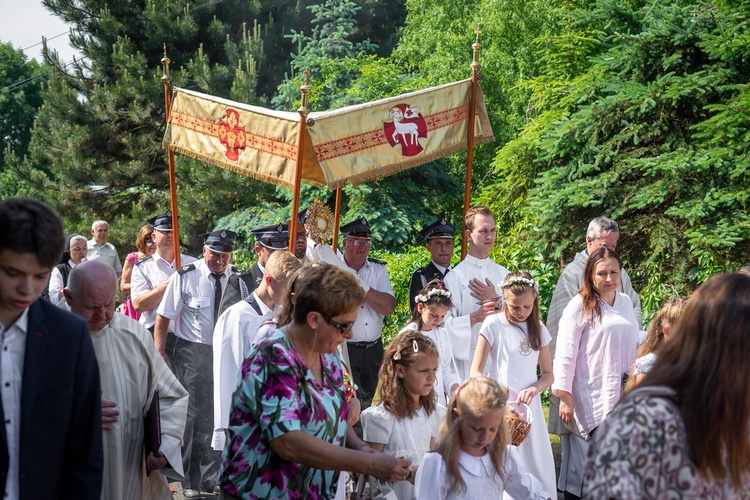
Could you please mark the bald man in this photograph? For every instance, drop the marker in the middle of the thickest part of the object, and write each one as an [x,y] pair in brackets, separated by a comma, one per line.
[131,371]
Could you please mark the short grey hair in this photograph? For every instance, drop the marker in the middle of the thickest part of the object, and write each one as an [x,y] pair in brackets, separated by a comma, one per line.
[98,223]
[600,225]
[74,238]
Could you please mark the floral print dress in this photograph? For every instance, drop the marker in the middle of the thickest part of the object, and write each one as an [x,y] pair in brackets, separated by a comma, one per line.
[278,394]
[641,451]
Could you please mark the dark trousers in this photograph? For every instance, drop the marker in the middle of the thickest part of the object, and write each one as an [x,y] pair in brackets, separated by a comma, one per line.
[193,366]
[365,358]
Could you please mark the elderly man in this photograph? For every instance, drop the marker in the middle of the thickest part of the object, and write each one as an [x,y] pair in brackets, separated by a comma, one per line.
[192,301]
[366,346]
[100,249]
[439,242]
[51,402]
[602,232]
[130,371]
[237,329]
[151,275]
[474,285]
[268,239]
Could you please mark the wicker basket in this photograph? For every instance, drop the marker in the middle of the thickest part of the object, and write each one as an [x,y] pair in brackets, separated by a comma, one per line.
[518,426]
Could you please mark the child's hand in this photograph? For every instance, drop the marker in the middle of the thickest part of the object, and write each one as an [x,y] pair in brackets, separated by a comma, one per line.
[526,395]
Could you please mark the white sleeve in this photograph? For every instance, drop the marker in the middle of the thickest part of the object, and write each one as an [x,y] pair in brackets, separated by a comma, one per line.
[228,356]
[431,482]
[138,283]
[488,329]
[377,425]
[450,378]
[457,325]
[519,484]
[568,341]
[171,303]
[55,285]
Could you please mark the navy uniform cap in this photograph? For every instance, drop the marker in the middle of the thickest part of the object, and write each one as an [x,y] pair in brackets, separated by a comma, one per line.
[358,227]
[161,221]
[275,236]
[439,229]
[302,216]
[221,241]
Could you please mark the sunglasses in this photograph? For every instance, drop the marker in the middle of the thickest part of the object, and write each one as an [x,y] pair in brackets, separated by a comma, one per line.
[343,328]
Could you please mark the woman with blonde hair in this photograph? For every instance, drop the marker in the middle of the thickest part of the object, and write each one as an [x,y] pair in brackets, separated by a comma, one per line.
[685,430]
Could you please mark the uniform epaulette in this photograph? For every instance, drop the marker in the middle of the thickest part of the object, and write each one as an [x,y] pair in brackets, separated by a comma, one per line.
[150,257]
[184,269]
[235,270]
[376,261]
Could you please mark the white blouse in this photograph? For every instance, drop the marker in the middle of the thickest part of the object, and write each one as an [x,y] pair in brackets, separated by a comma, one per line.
[434,482]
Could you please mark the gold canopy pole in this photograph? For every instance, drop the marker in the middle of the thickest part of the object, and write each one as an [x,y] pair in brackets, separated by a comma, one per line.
[303,112]
[336,216]
[170,160]
[470,135]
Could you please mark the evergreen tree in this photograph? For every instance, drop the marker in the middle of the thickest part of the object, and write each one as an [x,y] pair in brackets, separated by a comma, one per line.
[99,133]
[20,98]
[650,129]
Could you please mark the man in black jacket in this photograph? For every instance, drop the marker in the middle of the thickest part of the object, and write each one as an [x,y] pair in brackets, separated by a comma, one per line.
[51,440]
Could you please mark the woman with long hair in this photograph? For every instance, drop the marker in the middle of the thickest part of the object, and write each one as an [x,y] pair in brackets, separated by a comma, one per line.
[685,430]
[596,346]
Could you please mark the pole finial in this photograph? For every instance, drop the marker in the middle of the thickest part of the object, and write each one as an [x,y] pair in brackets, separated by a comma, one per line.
[305,89]
[165,66]
[476,48]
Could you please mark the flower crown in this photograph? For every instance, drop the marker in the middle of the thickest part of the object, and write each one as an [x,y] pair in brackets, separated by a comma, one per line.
[519,280]
[424,297]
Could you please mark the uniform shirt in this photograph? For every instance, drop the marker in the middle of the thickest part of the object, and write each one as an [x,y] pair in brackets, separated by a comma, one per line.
[189,301]
[422,276]
[369,324]
[106,253]
[236,330]
[147,275]
[11,377]
[458,323]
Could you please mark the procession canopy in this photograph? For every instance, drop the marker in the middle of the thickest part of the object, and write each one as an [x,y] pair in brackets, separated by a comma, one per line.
[353,145]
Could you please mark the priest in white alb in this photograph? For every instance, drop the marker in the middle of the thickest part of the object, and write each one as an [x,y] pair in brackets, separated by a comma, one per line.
[131,371]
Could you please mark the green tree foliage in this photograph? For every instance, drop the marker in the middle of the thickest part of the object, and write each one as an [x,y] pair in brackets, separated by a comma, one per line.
[20,98]
[98,134]
[650,127]
[436,43]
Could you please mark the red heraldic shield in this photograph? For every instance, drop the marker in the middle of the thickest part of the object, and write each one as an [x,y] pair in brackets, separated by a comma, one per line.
[407,127]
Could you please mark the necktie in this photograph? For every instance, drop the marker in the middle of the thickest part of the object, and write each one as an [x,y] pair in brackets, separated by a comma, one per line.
[217,293]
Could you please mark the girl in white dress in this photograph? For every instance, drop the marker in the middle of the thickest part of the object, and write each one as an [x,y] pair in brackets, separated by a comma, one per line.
[406,420]
[433,303]
[472,459]
[510,345]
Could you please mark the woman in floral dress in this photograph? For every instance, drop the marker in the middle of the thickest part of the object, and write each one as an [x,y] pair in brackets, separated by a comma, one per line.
[287,434]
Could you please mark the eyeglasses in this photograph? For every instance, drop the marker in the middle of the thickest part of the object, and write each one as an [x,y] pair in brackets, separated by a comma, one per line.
[343,328]
[357,242]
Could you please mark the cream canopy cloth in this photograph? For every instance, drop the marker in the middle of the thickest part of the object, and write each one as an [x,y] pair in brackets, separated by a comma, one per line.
[353,145]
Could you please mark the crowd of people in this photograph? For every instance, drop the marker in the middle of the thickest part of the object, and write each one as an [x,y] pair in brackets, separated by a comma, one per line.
[274,382]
